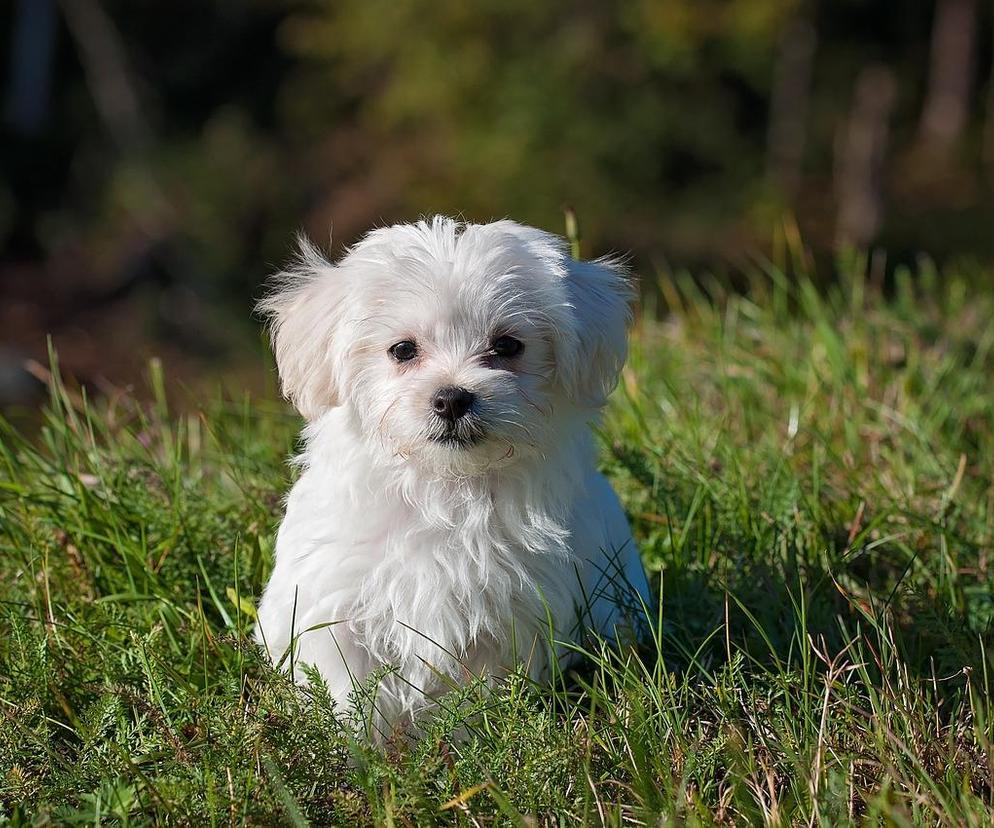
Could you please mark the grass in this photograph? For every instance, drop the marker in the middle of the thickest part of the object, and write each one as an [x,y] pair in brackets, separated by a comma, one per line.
[810,475]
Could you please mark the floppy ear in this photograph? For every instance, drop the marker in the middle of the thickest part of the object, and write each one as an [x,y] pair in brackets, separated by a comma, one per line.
[591,317]
[599,296]
[305,310]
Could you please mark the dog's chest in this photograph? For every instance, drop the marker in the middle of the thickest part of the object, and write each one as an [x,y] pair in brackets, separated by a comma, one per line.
[426,574]
[465,589]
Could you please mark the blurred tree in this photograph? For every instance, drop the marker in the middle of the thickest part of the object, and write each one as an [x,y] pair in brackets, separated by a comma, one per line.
[156,158]
[789,104]
[32,41]
[862,155]
[947,100]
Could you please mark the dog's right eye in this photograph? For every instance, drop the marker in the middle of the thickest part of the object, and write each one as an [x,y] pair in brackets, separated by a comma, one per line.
[404,351]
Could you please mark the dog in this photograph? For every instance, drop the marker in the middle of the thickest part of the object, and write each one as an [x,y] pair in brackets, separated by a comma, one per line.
[449,520]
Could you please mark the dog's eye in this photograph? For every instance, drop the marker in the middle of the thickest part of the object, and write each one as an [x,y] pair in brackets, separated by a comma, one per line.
[404,351]
[507,346]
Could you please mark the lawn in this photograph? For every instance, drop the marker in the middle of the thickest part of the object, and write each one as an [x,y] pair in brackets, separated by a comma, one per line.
[809,472]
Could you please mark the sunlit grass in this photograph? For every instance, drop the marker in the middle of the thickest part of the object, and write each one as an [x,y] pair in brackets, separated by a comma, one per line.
[810,475]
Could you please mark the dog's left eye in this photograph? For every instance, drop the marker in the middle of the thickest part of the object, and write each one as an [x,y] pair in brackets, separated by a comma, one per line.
[507,346]
[404,351]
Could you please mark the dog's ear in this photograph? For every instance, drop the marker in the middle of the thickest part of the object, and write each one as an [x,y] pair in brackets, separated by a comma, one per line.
[590,342]
[305,309]
[599,296]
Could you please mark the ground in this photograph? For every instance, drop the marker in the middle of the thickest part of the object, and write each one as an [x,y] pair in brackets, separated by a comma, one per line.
[809,472]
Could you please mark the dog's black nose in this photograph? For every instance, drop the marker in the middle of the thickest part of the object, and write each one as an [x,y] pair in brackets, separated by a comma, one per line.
[451,403]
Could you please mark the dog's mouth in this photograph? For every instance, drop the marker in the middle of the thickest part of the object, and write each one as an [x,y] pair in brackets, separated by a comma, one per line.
[459,435]
[453,439]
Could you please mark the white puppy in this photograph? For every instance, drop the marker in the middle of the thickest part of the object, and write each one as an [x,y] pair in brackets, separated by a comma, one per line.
[449,515]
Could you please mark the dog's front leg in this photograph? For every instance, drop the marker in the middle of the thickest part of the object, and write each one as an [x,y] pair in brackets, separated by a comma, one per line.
[326,642]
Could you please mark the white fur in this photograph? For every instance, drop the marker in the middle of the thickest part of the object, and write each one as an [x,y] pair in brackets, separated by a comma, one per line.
[441,561]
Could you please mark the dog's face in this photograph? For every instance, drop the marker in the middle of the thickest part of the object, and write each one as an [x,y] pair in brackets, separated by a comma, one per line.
[458,346]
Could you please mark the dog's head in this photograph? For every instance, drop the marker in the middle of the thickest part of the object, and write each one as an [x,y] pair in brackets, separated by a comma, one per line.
[456,345]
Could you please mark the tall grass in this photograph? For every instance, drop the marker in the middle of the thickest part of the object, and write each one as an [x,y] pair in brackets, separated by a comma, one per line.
[810,474]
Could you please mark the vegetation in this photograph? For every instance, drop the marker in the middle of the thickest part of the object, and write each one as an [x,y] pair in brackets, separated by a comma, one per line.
[810,477]
[191,141]
[156,159]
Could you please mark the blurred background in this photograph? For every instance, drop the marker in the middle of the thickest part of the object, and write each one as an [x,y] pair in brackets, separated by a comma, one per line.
[156,158]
